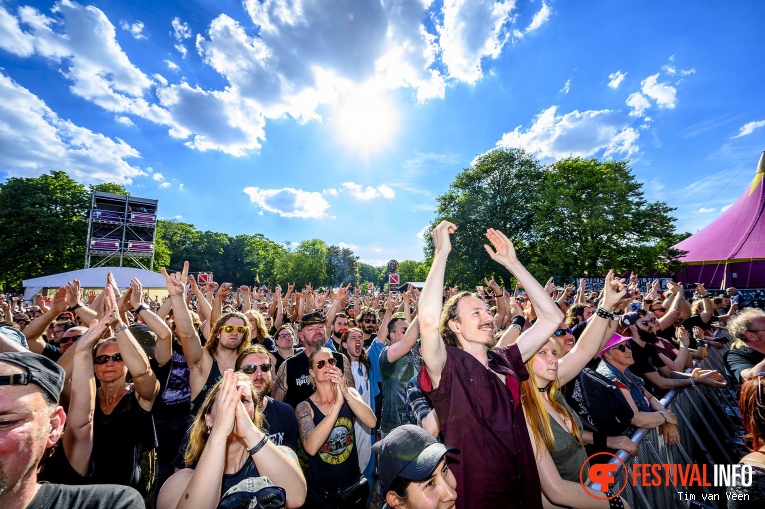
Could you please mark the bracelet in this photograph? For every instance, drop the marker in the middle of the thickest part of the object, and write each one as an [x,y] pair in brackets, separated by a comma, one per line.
[608,315]
[255,448]
[120,329]
[76,306]
[515,326]
[615,503]
[693,382]
[141,307]
[665,416]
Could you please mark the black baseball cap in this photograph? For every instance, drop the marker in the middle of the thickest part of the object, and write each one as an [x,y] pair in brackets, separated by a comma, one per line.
[41,371]
[410,453]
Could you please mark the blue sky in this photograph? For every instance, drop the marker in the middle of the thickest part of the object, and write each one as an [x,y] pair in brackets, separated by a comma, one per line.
[344,119]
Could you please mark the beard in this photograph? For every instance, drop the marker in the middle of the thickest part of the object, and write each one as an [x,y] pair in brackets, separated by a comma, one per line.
[266,389]
[648,337]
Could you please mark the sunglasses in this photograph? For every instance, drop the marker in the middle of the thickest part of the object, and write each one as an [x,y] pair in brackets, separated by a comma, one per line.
[249,369]
[623,347]
[316,315]
[646,321]
[70,339]
[103,359]
[369,320]
[241,329]
[271,497]
[286,335]
[331,361]
[562,332]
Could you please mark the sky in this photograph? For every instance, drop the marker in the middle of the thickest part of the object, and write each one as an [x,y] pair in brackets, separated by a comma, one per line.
[343,120]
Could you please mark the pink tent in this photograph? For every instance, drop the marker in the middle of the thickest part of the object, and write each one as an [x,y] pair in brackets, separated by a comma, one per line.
[731,250]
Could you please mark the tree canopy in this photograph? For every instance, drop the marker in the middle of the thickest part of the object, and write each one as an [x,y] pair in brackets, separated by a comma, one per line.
[572,218]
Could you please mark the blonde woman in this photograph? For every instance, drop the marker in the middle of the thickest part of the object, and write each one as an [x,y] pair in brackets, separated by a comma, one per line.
[226,446]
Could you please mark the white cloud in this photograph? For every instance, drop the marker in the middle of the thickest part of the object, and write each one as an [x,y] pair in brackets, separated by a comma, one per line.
[472,30]
[172,65]
[343,245]
[181,187]
[158,177]
[552,136]
[369,193]
[421,234]
[160,79]
[703,210]
[638,103]
[289,202]
[373,262]
[616,79]
[566,86]
[135,29]
[35,140]
[165,185]
[686,72]
[665,95]
[181,32]
[540,18]
[726,207]
[178,217]
[331,191]
[669,69]
[124,121]
[749,128]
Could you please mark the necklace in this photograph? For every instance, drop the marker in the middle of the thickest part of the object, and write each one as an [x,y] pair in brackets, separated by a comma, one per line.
[544,389]
[111,399]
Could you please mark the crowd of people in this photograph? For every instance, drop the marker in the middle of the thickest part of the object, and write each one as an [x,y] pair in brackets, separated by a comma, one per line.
[217,396]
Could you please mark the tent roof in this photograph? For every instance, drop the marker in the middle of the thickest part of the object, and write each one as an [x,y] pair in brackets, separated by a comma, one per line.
[96,278]
[739,232]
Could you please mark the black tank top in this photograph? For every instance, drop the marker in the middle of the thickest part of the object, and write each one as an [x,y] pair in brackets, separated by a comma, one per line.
[299,386]
[248,470]
[336,465]
[212,379]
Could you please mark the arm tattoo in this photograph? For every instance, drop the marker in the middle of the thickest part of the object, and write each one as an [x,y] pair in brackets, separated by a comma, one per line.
[279,391]
[304,420]
[349,381]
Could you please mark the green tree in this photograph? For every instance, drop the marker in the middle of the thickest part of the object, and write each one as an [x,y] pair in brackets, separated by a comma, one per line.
[109,187]
[42,227]
[342,266]
[498,191]
[371,274]
[307,264]
[593,216]
[260,259]
[411,270]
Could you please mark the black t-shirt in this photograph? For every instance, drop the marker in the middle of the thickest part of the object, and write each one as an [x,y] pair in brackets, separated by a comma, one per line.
[647,360]
[103,496]
[174,400]
[281,424]
[695,321]
[57,469]
[740,359]
[52,352]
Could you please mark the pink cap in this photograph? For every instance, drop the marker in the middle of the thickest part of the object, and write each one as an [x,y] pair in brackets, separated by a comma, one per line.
[615,340]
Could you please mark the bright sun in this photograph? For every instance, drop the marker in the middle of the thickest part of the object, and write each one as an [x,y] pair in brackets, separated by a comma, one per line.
[365,120]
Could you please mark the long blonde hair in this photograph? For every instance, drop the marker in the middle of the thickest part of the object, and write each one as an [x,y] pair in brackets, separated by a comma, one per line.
[212,343]
[533,406]
[198,435]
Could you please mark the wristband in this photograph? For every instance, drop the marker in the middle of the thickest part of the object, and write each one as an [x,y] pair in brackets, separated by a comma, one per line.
[608,315]
[255,448]
[515,326]
[518,320]
[76,306]
[693,382]
[665,416]
[615,503]
[120,329]
[141,307]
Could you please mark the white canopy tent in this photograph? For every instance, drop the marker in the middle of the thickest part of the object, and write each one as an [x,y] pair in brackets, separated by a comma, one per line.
[94,278]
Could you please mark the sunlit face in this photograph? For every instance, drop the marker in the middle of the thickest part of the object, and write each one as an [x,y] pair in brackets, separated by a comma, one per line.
[314,335]
[620,358]
[475,324]
[439,491]
[399,331]
[567,340]
[231,340]
[112,370]
[285,339]
[587,313]
[321,374]
[368,323]
[27,427]
[365,121]
[648,323]
[70,337]
[354,344]
[340,324]
[262,380]
[545,364]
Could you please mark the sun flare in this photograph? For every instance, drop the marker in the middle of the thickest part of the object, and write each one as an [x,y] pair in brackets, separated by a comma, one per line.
[366,120]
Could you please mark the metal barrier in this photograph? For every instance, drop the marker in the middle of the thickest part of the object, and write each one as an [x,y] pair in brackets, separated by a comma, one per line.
[710,430]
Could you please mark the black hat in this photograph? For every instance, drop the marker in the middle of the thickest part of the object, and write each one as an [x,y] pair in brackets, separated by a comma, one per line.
[40,371]
[408,452]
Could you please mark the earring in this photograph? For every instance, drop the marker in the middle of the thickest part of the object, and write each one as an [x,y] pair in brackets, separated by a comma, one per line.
[209,429]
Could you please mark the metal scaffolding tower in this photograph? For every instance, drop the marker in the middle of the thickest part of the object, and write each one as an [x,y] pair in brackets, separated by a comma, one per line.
[121,227]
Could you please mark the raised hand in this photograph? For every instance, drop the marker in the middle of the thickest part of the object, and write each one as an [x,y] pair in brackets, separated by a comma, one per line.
[58,303]
[72,293]
[176,282]
[136,291]
[123,303]
[550,286]
[91,296]
[88,340]
[229,398]
[505,251]
[612,294]
[441,236]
